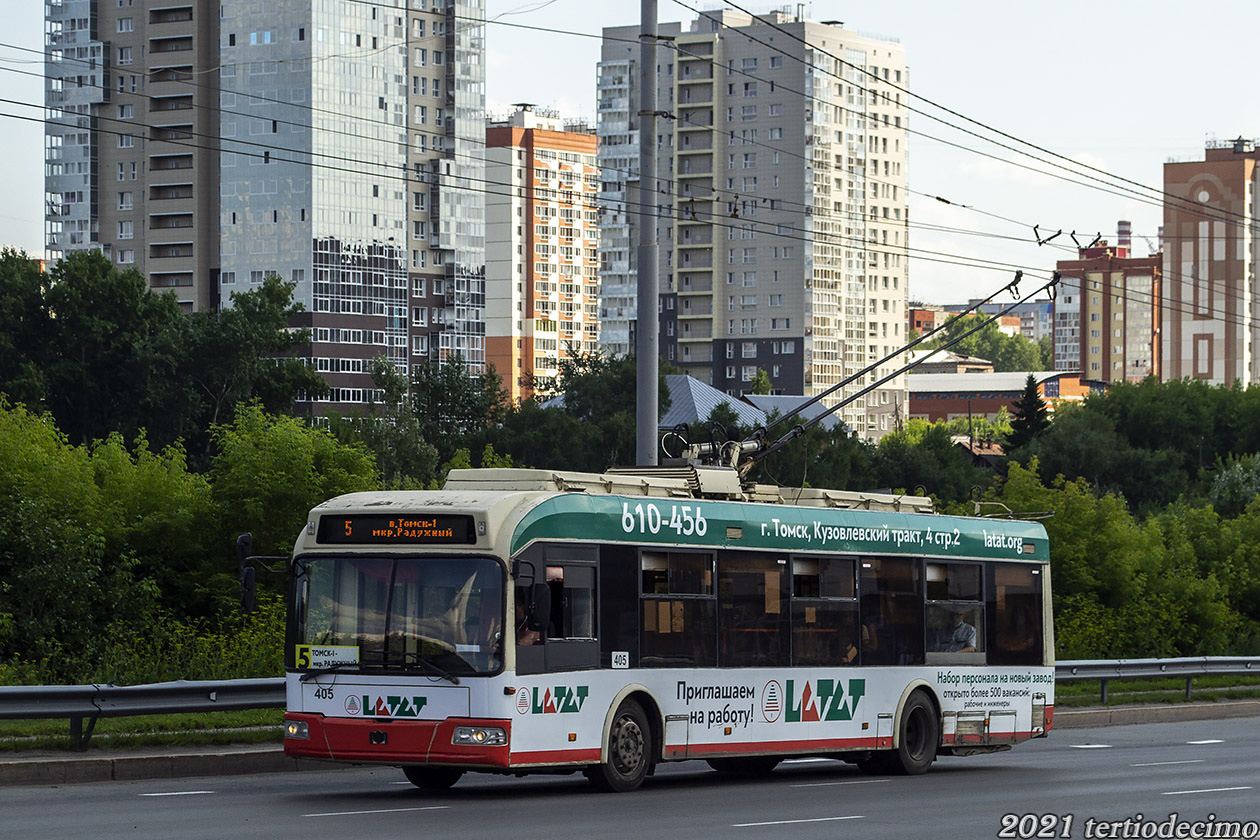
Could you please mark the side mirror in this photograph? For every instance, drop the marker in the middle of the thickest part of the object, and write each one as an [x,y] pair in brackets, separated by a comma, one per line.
[248,587]
[540,607]
[244,546]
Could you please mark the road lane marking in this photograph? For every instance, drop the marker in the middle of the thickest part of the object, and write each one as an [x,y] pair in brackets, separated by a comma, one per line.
[378,811]
[1090,746]
[1208,741]
[852,782]
[1205,790]
[1164,763]
[796,822]
[178,793]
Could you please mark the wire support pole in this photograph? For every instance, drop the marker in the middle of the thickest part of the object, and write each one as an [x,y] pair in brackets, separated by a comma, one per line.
[647,325]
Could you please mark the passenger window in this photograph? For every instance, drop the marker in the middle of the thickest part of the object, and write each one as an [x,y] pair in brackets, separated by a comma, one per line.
[954,613]
[572,602]
[824,611]
[1015,608]
[679,610]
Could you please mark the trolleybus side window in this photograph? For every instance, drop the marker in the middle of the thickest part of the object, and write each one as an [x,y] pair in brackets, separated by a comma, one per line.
[891,611]
[678,609]
[824,611]
[752,621]
[1015,609]
[954,613]
[559,636]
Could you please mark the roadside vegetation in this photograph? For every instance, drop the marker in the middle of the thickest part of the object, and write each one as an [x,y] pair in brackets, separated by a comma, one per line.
[137,441]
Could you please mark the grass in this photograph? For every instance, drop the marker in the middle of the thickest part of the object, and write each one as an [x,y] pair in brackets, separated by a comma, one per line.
[1088,693]
[254,726]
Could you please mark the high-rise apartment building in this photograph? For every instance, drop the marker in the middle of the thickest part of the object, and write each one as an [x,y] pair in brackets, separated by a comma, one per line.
[1107,313]
[542,263]
[781,204]
[1210,322]
[339,146]
[131,139]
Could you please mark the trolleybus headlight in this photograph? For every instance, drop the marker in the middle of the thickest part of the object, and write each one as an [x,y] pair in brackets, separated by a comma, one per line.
[480,736]
[297,729]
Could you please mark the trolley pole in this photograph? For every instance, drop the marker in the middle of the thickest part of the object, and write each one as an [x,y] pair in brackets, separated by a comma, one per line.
[648,321]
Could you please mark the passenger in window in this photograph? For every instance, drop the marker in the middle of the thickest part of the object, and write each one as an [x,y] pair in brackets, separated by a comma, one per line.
[876,648]
[526,628]
[1018,635]
[963,638]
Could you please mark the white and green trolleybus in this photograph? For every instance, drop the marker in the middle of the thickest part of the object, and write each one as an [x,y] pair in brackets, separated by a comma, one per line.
[530,621]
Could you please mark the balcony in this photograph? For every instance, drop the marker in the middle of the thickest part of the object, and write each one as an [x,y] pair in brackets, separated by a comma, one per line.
[179,43]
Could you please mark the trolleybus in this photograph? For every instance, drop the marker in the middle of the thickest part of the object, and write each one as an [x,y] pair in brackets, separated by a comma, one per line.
[528,621]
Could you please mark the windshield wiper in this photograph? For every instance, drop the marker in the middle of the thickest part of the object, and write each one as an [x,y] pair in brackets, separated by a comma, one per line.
[331,669]
[415,657]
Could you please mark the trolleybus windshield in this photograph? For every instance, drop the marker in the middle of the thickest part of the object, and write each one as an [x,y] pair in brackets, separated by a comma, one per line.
[421,613]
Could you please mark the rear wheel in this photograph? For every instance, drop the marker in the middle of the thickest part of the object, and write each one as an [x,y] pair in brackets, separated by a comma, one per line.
[750,766]
[432,778]
[920,736]
[629,751]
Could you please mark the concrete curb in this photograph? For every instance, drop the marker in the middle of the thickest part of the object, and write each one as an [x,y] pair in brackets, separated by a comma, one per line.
[54,768]
[1120,715]
[59,769]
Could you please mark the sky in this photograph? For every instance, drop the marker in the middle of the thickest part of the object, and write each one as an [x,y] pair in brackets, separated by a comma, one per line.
[1120,86]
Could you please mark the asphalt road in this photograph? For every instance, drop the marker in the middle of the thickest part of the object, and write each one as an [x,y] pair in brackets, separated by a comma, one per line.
[1191,769]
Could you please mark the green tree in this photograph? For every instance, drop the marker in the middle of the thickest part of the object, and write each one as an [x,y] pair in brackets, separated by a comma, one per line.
[244,352]
[593,430]
[391,432]
[1046,345]
[820,457]
[1236,486]
[1008,353]
[161,516]
[110,341]
[1029,418]
[60,583]
[761,383]
[269,471]
[23,329]
[451,403]
[927,458]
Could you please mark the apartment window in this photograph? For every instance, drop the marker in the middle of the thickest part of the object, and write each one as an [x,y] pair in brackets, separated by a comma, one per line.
[126,256]
[126,141]
[776,61]
[255,277]
[124,55]
[125,201]
[126,24]
[126,112]
[126,229]
[227,278]
[774,110]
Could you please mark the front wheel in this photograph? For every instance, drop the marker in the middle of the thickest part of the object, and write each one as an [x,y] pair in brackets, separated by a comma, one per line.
[629,751]
[432,778]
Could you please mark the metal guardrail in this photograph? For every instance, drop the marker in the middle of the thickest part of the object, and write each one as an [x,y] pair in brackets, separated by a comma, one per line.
[1188,667]
[83,705]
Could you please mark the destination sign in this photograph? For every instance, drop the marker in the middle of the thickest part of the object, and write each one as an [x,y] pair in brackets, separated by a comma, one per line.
[386,529]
